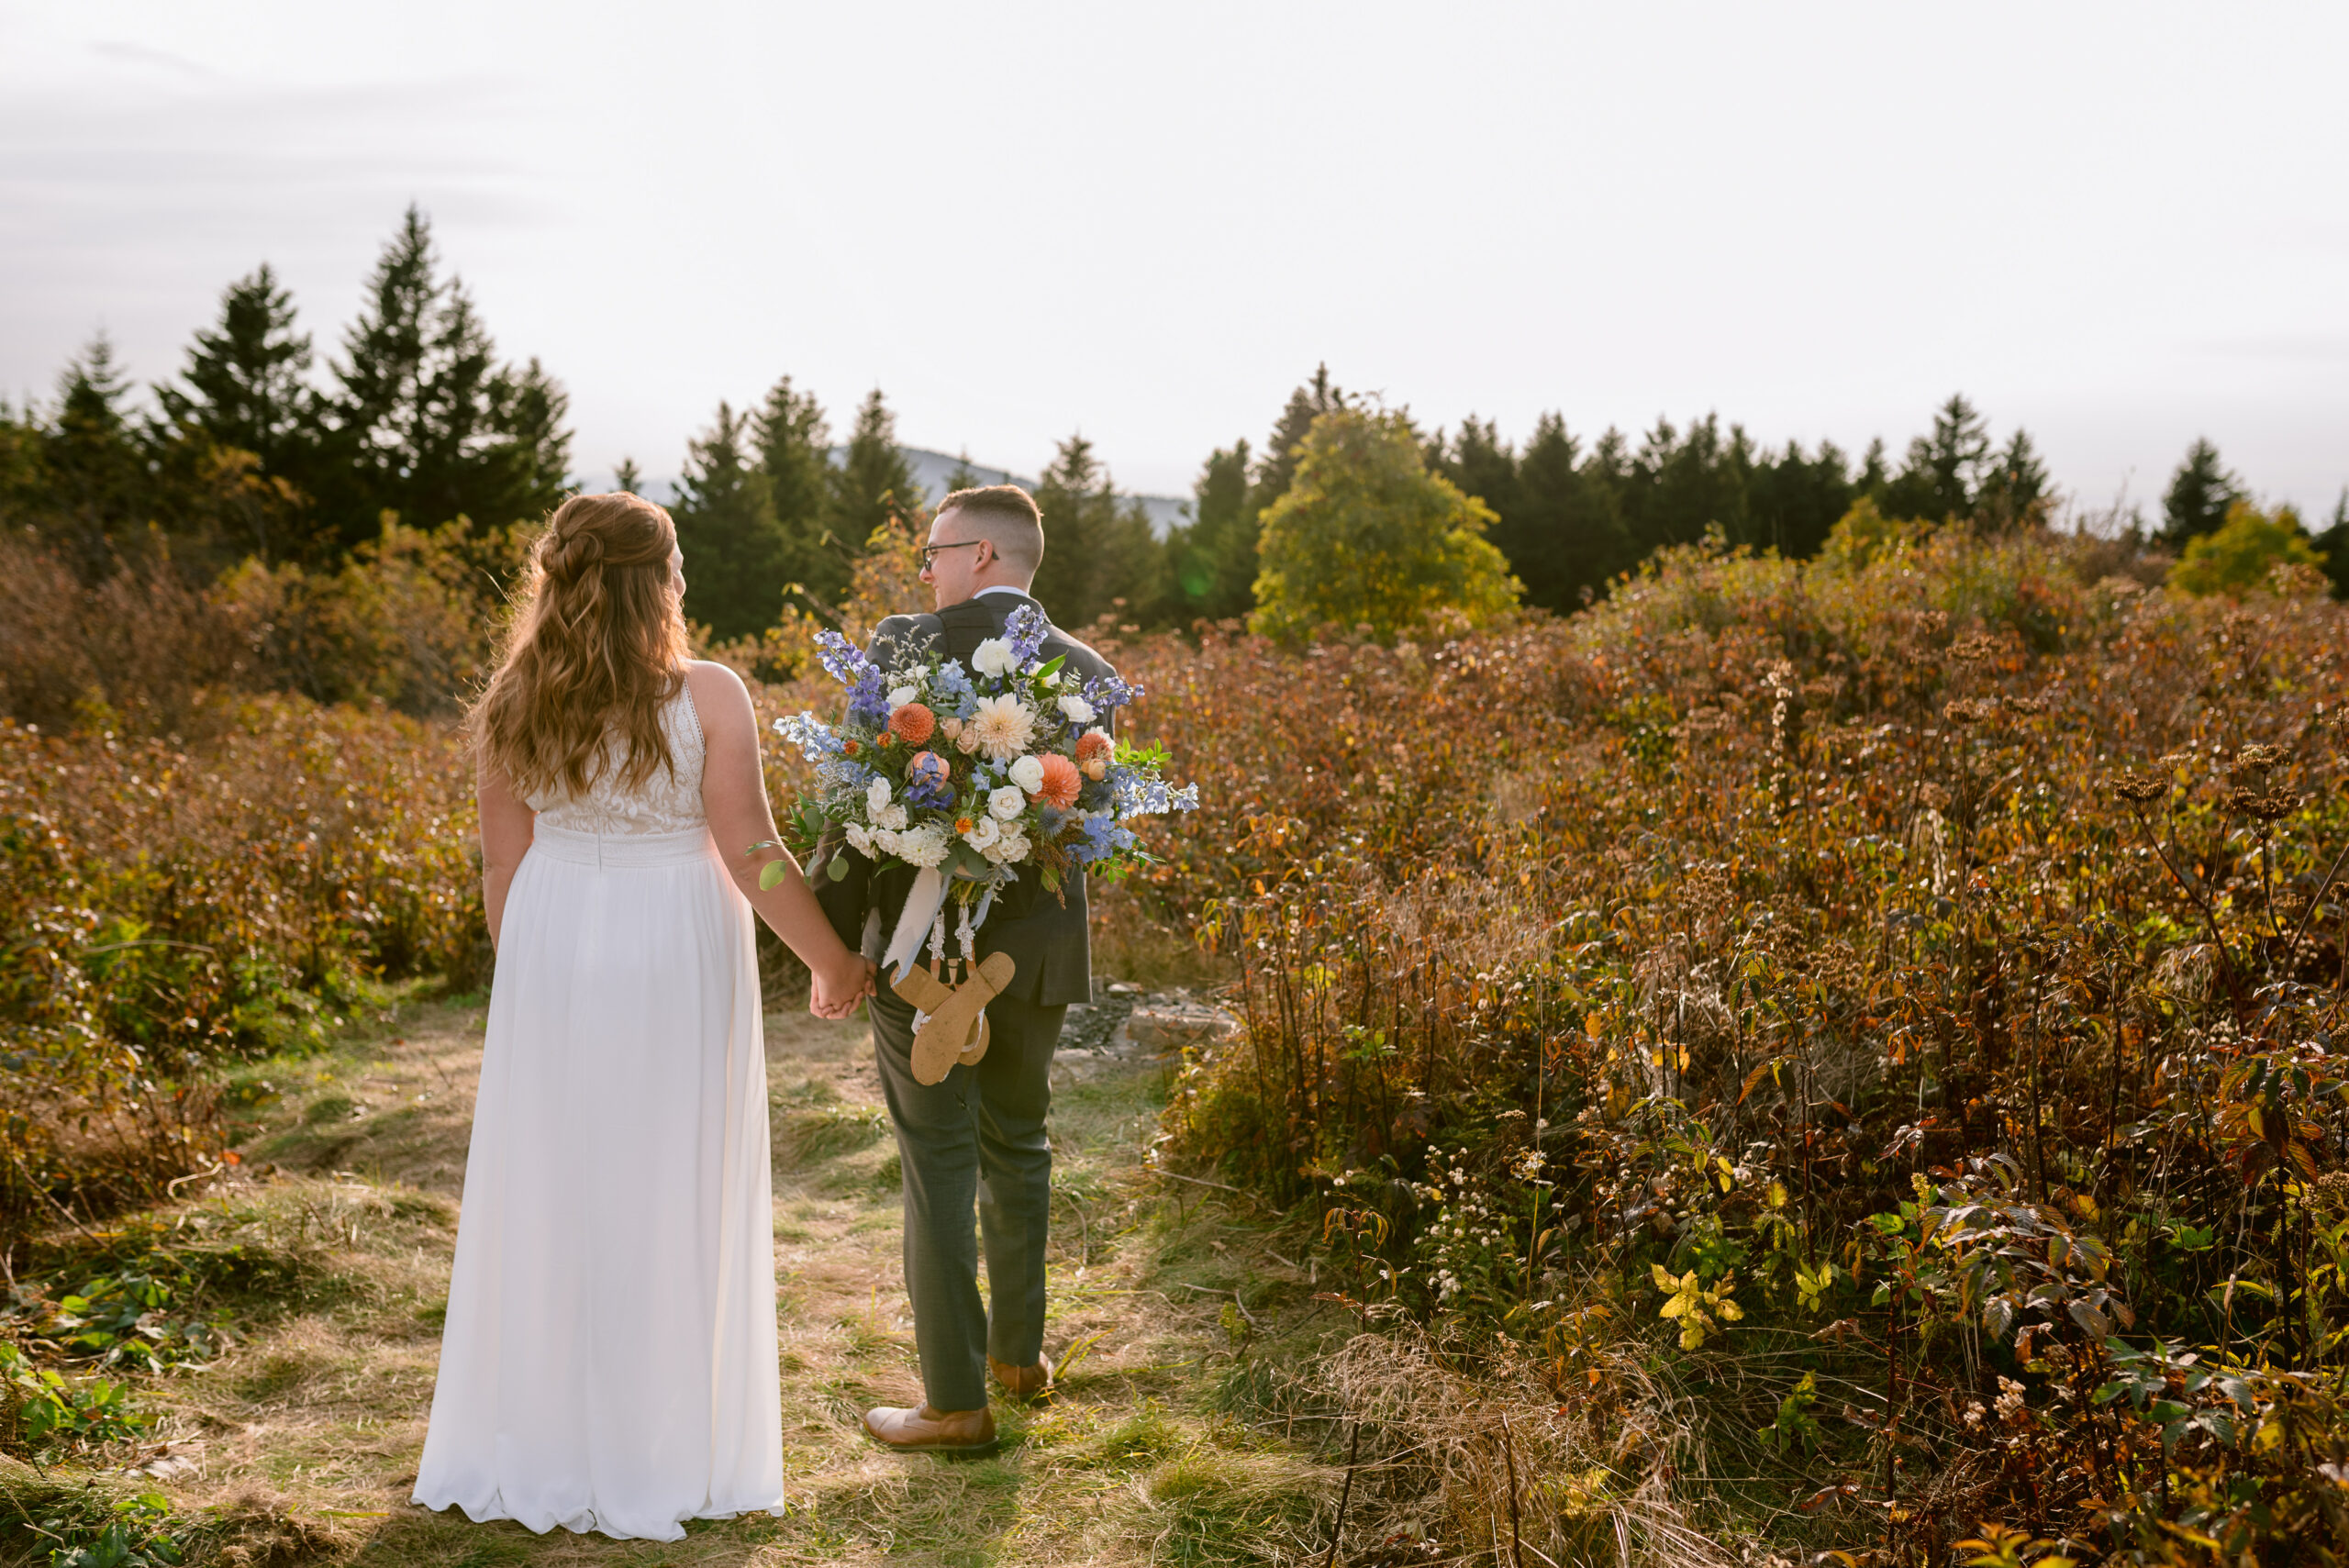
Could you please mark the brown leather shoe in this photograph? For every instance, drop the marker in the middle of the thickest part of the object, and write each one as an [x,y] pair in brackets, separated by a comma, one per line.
[933,1432]
[1024,1382]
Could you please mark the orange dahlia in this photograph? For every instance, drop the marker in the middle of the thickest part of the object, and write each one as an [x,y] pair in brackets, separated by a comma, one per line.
[912,723]
[1061,782]
[1092,744]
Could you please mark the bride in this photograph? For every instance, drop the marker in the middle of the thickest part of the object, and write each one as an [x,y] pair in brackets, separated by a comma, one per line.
[608,1360]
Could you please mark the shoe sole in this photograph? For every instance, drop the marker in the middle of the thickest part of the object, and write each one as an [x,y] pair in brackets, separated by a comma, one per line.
[944,1450]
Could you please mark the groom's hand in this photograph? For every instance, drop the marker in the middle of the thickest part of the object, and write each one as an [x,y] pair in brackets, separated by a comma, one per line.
[837,989]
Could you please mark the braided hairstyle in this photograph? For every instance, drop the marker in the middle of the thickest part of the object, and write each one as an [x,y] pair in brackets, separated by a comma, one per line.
[595,647]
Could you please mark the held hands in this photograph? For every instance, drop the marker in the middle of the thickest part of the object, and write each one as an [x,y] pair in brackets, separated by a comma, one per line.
[840,986]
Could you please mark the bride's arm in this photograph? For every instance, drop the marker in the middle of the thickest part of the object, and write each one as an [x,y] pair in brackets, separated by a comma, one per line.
[734,794]
[506,828]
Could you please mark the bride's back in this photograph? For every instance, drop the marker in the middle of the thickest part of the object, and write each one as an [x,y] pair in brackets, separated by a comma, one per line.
[588,715]
[668,800]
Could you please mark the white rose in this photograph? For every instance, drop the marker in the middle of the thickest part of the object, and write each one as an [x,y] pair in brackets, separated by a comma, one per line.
[876,798]
[900,696]
[1075,709]
[1027,773]
[982,832]
[885,841]
[860,840]
[925,846]
[893,817]
[992,657]
[1054,678]
[1006,804]
[1014,847]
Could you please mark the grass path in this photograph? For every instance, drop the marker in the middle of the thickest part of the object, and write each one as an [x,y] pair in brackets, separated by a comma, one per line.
[331,1261]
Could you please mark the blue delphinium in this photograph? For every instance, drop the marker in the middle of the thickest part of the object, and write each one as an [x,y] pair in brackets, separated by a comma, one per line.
[1025,632]
[868,700]
[952,686]
[1137,795]
[814,738]
[1107,694]
[844,660]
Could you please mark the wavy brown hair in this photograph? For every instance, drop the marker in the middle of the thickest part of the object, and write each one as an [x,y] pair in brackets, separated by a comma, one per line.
[595,647]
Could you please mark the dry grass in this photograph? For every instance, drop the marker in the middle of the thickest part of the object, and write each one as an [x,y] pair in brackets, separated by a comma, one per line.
[301,1442]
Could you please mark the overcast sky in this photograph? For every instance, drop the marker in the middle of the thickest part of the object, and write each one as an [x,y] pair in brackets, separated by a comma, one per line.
[2120,225]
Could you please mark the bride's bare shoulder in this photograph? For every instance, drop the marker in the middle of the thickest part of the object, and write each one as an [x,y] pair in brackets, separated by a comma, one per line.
[720,697]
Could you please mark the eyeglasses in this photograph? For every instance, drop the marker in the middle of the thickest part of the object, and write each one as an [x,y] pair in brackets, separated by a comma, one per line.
[929,551]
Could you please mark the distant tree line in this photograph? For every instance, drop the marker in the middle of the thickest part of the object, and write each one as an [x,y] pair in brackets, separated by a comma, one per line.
[261,449]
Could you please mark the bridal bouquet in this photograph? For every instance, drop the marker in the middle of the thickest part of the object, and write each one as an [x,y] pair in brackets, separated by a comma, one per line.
[969,774]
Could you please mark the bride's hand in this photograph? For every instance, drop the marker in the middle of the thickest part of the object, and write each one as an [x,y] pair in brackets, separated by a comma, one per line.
[839,988]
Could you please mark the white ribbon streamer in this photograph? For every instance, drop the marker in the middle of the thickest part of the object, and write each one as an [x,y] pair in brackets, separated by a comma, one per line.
[922,905]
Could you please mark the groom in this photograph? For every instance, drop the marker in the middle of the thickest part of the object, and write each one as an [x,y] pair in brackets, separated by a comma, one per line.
[976,1138]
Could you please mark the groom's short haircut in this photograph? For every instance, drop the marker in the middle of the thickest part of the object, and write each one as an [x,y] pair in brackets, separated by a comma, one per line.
[1006,514]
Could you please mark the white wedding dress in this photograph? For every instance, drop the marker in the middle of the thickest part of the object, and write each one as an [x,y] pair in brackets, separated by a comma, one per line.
[609,1360]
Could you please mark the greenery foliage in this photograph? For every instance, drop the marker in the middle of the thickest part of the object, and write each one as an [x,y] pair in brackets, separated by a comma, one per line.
[1365,537]
[2245,551]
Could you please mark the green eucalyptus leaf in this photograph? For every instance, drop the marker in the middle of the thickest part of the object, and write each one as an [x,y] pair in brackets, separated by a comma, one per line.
[773,873]
[838,869]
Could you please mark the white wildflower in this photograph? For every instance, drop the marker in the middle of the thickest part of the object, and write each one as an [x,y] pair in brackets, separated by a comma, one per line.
[924,846]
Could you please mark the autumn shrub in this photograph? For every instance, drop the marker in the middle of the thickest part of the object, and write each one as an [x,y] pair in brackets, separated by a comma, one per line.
[1892,1006]
[170,908]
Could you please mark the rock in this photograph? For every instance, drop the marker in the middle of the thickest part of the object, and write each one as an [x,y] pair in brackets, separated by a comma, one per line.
[1161,1027]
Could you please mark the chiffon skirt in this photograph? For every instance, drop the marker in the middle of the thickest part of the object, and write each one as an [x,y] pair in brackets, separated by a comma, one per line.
[608,1360]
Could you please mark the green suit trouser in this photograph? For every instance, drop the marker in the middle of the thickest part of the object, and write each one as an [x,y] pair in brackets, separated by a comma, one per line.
[974,1139]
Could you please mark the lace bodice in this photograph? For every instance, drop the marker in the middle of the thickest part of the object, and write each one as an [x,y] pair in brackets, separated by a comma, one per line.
[663,803]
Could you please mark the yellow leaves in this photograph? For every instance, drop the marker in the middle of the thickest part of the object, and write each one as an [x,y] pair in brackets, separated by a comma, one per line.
[1701,1308]
[1999,1547]
[1776,1194]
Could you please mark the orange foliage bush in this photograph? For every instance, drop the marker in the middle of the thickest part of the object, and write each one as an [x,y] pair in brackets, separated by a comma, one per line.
[1952,946]
[169,907]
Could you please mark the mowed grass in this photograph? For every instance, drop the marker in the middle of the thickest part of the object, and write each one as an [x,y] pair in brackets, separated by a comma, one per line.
[329,1256]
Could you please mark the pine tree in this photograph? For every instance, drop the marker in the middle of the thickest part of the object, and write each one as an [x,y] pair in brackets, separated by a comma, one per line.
[628,477]
[2332,544]
[1566,541]
[1213,559]
[736,556]
[94,475]
[794,463]
[1680,487]
[1101,557]
[246,381]
[426,422]
[874,482]
[1277,465]
[965,476]
[2198,495]
[1944,469]
[2014,488]
[1796,500]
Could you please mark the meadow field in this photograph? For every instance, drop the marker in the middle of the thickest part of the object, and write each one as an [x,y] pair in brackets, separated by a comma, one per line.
[1798,1058]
